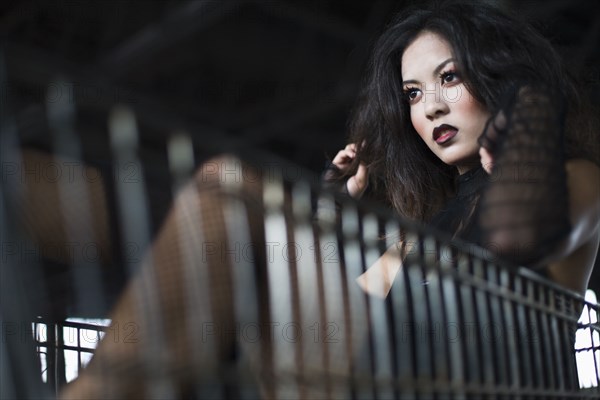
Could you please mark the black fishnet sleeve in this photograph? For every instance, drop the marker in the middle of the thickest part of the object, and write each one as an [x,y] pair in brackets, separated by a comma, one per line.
[524,207]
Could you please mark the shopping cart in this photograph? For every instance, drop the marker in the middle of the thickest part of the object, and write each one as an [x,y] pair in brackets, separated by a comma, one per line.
[271,303]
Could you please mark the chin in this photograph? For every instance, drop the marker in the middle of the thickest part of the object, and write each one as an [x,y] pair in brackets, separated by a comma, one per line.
[460,157]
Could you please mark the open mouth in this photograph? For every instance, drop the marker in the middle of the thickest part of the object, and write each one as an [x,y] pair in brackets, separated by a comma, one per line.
[444,133]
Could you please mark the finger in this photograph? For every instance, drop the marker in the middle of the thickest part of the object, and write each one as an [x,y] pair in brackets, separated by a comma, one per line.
[343,157]
[492,130]
[351,147]
[487,160]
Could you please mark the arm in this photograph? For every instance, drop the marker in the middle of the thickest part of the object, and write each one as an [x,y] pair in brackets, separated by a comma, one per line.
[538,208]
[523,212]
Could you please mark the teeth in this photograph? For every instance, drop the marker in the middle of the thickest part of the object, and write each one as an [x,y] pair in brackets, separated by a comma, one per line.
[443,133]
[446,130]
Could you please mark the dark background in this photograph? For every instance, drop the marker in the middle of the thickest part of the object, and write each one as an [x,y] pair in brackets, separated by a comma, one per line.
[280,76]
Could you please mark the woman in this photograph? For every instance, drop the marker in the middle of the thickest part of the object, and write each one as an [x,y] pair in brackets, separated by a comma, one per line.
[439,79]
[461,125]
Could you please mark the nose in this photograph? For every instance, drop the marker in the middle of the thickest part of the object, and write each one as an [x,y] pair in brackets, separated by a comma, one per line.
[434,104]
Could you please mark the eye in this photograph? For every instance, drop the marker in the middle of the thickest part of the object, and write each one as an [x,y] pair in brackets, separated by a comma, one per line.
[412,94]
[449,77]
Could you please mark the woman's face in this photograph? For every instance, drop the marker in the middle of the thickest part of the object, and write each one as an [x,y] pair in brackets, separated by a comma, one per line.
[442,111]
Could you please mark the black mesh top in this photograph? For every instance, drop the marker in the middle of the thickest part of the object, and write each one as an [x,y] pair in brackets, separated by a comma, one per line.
[458,215]
[520,211]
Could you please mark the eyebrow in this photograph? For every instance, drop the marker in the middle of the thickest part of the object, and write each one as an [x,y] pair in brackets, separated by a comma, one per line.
[436,71]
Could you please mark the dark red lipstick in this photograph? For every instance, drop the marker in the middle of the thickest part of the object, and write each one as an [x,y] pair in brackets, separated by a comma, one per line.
[444,133]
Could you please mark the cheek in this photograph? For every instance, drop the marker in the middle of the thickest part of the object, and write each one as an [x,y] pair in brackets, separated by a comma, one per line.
[455,94]
[465,104]
[473,112]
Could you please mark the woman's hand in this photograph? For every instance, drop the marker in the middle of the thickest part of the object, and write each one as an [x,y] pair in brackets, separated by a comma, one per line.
[487,160]
[489,140]
[357,183]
